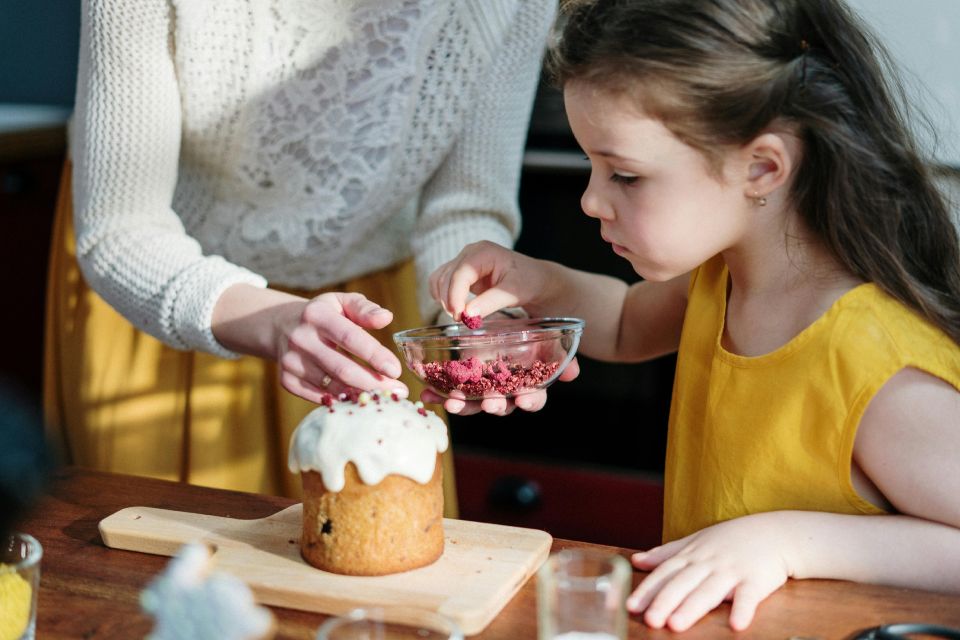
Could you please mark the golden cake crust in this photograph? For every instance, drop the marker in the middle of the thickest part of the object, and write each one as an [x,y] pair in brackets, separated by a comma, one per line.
[395,525]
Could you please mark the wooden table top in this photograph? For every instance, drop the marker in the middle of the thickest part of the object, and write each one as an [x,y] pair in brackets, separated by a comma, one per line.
[90,591]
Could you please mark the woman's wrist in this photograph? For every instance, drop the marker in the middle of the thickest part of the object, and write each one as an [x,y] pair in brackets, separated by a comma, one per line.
[251,320]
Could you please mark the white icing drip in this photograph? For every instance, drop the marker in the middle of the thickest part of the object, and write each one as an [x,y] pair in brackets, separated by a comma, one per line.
[389,437]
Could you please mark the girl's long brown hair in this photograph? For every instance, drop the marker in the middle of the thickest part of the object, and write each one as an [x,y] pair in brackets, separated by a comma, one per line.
[718,72]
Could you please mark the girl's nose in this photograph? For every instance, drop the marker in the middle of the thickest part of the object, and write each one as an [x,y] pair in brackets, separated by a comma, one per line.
[594,205]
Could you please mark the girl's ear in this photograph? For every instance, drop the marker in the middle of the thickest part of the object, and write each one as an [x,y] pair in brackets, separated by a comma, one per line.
[769,159]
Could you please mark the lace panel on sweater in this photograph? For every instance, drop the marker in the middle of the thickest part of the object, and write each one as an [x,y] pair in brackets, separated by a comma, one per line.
[345,118]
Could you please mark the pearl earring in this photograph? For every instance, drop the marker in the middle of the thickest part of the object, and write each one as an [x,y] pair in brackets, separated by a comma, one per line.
[762,201]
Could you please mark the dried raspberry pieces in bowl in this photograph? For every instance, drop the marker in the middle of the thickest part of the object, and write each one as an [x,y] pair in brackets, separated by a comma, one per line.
[503,358]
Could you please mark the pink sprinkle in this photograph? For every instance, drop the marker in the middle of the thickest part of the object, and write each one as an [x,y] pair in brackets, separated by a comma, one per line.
[472,322]
[422,412]
[476,379]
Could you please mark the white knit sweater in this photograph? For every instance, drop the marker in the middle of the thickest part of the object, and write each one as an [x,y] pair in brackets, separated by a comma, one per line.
[295,142]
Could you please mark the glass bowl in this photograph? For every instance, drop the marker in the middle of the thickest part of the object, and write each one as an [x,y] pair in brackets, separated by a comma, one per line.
[501,359]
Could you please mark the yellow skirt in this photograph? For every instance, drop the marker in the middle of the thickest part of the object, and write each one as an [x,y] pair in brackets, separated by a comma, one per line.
[117,399]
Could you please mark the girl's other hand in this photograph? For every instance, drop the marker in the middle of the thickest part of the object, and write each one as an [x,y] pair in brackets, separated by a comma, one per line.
[532,401]
[499,278]
[321,341]
[742,560]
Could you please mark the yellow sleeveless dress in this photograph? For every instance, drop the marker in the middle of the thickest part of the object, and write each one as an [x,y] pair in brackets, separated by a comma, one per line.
[756,434]
[117,399]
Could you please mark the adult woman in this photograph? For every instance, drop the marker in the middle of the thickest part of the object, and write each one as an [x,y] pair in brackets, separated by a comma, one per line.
[314,146]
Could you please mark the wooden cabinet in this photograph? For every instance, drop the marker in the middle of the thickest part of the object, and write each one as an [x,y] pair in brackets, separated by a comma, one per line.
[597,505]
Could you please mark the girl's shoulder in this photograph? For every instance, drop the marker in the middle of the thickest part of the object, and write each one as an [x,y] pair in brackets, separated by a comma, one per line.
[869,320]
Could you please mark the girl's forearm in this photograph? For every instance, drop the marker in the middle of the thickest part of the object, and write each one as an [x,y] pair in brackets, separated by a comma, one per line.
[896,550]
[596,298]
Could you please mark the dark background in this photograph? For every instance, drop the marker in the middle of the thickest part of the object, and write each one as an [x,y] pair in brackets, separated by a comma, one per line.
[38,50]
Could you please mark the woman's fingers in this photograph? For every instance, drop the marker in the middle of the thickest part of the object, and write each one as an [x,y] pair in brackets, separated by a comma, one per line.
[343,332]
[300,387]
[313,358]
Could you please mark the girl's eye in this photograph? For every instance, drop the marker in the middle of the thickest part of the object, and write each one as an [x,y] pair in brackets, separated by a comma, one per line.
[622,179]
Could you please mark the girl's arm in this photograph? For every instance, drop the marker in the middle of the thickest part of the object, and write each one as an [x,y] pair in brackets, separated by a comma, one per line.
[906,446]
[625,323]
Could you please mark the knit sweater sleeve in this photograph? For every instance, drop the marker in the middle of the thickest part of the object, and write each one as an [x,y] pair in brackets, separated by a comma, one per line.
[131,246]
[473,194]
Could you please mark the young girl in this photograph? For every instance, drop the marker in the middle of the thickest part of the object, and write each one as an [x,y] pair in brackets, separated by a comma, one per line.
[749,161]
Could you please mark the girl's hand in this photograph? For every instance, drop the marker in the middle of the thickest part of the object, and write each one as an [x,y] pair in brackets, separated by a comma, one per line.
[532,401]
[743,560]
[499,278]
[317,338]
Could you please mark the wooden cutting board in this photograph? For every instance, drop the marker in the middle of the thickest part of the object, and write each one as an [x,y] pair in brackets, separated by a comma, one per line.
[482,566]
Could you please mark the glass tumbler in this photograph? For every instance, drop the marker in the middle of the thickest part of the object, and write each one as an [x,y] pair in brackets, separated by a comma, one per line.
[19,582]
[581,595]
[390,624]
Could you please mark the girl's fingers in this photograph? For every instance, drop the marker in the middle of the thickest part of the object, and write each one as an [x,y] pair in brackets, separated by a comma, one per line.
[673,592]
[429,396]
[570,372]
[489,301]
[458,288]
[746,598]
[651,558]
[650,586]
[496,406]
[457,407]
[533,401]
[704,599]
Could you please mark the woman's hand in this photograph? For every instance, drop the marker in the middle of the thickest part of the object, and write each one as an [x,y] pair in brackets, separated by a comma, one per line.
[314,349]
[743,560]
[321,345]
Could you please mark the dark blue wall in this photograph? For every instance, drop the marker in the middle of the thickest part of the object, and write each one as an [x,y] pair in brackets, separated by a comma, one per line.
[38,50]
